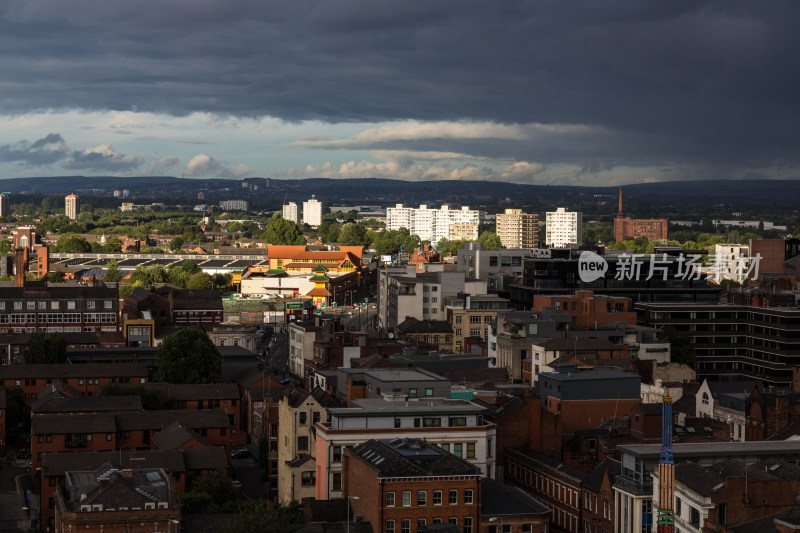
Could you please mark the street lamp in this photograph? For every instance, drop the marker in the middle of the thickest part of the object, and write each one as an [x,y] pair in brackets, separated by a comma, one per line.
[348,510]
[169,525]
[496,518]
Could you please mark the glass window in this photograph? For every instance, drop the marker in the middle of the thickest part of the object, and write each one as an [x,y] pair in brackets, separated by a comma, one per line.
[457,449]
[390,499]
[453,520]
[405,525]
[337,454]
[389,526]
[336,482]
[432,422]
[492,260]
[302,443]
[468,524]
[470,450]
[452,497]
[397,421]
[428,392]
[406,498]
[457,421]
[422,498]
[437,497]
[420,524]
[309,478]
[468,496]
[412,391]
[303,418]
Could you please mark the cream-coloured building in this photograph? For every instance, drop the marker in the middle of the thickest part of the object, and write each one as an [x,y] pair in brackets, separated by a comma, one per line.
[290,212]
[298,411]
[312,212]
[72,206]
[563,228]
[518,230]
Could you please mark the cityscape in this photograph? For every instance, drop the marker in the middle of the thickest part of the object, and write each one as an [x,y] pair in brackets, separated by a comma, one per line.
[410,267]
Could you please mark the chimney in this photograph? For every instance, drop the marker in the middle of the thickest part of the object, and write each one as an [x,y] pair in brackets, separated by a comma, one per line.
[104,483]
[20,266]
[619,213]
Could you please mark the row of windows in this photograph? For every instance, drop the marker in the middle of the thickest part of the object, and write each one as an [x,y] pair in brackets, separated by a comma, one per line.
[55,304]
[56,318]
[422,498]
[405,524]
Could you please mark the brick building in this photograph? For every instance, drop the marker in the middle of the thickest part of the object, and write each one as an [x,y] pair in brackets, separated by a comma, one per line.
[401,485]
[552,482]
[509,509]
[632,228]
[597,497]
[588,310]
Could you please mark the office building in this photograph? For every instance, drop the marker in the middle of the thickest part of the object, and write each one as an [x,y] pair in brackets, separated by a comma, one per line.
[72,206]
[518,230]
[563,228]
[290,212]
[312,212]
[435,224]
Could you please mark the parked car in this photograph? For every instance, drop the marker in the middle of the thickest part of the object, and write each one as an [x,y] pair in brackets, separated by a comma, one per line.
[237,484]
[242,453]
[22,453]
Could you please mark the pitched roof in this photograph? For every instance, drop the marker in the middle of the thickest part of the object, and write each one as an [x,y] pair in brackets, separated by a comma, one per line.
[74,423]
[766,524]
[704,481]
[205,458]
[91,404]
[64,371]
[549,462]
[204,391]
[284,252]
[594,481]
[196,299]
[477,374]
[56,464]
[318,292]
[411,457]
[498,499]
[412,325]
[203,419]
[175,436]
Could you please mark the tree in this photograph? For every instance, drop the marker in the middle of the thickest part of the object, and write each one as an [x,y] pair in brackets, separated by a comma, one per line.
[201,280]
[681,350]
[46,348]
[176,243]
[73,244]
[112,246]
[282,231]
[490,241]
[257,516]
[448,247]
[222,281]
[189,356]
[353,234]
[212,493]
[55,277]
[113,273]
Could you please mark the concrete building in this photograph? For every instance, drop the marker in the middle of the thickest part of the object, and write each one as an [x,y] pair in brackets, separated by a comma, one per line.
[518,230]
[312,212]
[72,206]
[496,267]
[302,336]
[5,205]
[290,212]
[731,262]
[354,383]
[435,224]
[563,228]
[233,205]
[456,426]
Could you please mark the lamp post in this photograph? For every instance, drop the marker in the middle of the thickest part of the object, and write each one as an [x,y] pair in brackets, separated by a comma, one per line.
[348,510]
[169,525]
[495,519]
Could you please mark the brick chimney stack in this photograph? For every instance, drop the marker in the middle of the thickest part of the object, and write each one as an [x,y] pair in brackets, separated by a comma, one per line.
[21,266]
[619,213]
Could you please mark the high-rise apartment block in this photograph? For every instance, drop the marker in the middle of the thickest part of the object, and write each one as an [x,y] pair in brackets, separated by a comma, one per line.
[5,205]
[312,212]
[233,205]
[435,224]
[72,206]
[518,230]
[290,212]
[563,228]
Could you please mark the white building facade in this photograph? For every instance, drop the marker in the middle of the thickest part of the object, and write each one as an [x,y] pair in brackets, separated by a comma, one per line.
[435,224]
[312,212]
[563,228]
[290,212]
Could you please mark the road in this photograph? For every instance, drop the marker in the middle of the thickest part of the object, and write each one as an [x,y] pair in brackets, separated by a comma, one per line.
[248,473]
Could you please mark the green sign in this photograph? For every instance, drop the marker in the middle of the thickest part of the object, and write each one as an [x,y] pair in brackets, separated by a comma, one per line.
[296,305]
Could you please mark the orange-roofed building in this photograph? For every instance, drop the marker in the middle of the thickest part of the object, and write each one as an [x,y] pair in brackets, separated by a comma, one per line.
[297,259]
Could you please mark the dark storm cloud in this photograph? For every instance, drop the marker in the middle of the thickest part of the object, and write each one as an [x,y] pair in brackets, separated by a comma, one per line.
[680,81]
[52,150]
[34,154]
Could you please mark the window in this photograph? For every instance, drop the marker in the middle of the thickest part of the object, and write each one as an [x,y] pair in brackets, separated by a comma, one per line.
[108,436]
[107,304]
[468,496]
[458,332]
[677,507]
[607,509]
[723,513]
[31,305]
[422,498]
[492,260]
[467,524]
[694,518]
[475,319]
[432,422]
[405,525]
[437,520]
[445,446]
[457,449]
[412,391]
[302,443]
[437,497]
[705,398]
[527,528]
[428,392]
[389,528]
[309,479]
[390,499]
[406,498]
[336,482]
[420,524]
[397,421]
[475,332]
[452,497]
[303,418]
[458,319]
[337,454]
[90,305]
[42,305]
[457,421]
[453,520]
[470,450]
[17,305]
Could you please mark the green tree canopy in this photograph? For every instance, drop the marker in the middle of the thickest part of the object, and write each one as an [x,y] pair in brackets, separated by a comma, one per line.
[212,493]
[282,231]
[681,350]
[46,348]
[257,516]
[448,247]
[176,243]
[353,234]
[72,244]
[201,280]
[490,241]
[113,273]
[189,356]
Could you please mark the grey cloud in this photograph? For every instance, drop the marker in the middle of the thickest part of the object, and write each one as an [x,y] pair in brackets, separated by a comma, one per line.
[33,154]
[684,81]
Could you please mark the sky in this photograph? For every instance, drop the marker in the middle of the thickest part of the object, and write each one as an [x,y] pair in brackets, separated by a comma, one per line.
[539,92]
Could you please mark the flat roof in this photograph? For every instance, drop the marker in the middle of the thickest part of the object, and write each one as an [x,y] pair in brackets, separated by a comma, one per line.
[396,374]
[699,449]
[366,406]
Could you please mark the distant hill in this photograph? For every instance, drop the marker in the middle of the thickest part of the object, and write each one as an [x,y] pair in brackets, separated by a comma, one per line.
[709,193]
